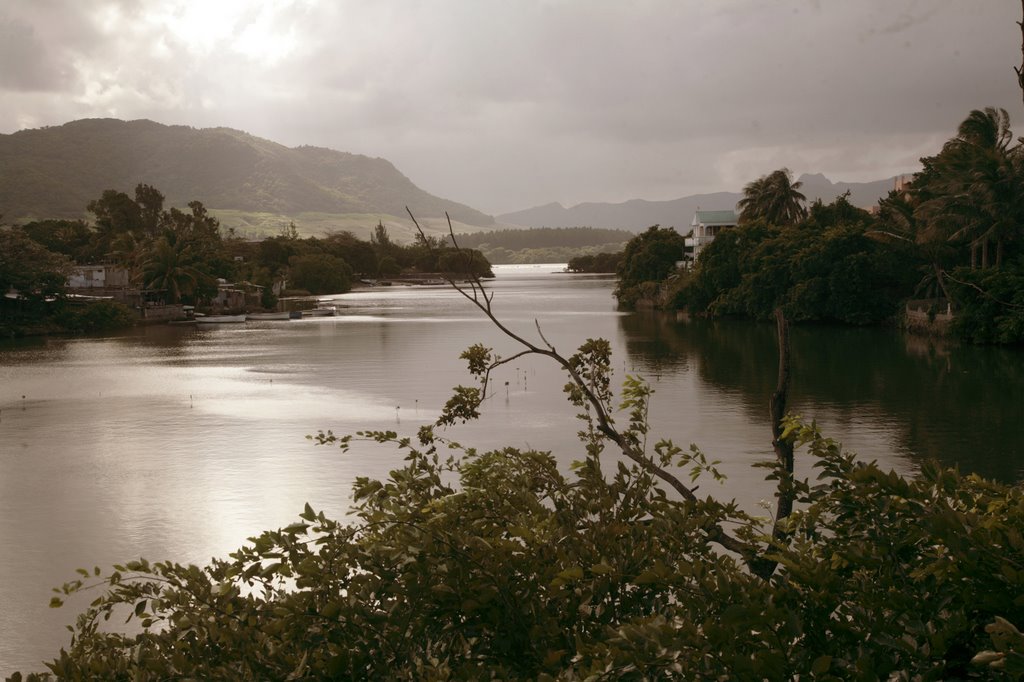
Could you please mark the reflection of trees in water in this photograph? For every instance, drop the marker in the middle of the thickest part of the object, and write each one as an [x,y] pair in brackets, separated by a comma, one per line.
[654,341]
[959,405]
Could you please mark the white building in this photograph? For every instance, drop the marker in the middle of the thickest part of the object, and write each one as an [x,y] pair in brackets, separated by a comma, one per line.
[706,226]
[97,277]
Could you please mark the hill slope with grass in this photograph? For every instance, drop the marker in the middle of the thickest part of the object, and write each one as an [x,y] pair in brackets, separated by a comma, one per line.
[55,172]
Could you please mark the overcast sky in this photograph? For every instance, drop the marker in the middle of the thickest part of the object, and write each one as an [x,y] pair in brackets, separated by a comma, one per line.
[506,105]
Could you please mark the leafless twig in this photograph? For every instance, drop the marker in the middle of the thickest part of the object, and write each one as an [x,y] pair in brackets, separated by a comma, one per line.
[477,295]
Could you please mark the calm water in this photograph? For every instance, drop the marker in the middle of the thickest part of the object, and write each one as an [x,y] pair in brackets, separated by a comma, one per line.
[180,442]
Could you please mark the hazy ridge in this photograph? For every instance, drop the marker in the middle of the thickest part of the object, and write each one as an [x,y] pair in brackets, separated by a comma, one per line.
[54,172]
[256,185]
[639,214]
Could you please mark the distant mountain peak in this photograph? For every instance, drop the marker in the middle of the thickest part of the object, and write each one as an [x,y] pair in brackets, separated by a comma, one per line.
[639,214]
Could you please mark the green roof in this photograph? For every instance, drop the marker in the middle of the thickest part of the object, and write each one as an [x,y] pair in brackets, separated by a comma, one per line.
[716,218]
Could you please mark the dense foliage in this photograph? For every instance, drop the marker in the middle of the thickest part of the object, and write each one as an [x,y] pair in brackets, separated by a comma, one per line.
[827,267]
[543,237]
[991,303]
[545,244]
[98,316]
[179,256]
[954,234]
[30,268]
[320,274]
[499,565]
[773,198]
[599,262]
[651,256]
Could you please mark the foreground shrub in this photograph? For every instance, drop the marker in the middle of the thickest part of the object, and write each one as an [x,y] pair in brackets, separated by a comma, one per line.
[499,565]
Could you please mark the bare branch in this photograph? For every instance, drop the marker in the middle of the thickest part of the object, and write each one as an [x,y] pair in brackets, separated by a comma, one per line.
[890,234]
[479,297]
[981,291]
[494,365]
[542,338]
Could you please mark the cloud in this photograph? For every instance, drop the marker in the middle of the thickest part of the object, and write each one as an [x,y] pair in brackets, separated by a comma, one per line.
[505,105]
[26,64]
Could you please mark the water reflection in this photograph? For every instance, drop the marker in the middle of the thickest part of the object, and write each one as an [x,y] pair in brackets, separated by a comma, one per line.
[959,405]
[179,442]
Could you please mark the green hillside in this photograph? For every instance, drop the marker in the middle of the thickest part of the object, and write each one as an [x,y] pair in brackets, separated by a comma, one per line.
[55,172]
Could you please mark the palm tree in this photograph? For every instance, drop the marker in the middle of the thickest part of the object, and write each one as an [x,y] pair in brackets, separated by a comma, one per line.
[773,198]
[975,186]
[899,219]
[168,267]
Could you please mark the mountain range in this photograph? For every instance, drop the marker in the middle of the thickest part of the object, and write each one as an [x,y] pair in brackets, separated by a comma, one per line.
[55,172]
[639,214]
[258,186]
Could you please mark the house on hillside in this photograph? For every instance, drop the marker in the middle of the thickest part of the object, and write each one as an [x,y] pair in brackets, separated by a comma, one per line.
[706,226]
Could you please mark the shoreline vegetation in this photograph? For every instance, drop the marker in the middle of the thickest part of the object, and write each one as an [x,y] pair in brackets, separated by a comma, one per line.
[137,262]
[944,251]
[942,254]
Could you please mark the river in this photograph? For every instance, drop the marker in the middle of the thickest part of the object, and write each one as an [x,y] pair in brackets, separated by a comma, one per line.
[178,442]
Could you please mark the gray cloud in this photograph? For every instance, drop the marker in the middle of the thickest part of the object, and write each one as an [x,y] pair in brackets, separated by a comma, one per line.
[506,105]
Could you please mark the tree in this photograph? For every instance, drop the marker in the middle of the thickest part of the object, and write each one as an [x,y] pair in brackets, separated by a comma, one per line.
[320,274]
[151,205]
[830,266]
[381,240]
[68,237]
[649,257]
[195,236]
[773,198]
[973,190]
[97,316]
[358,254]
[116,213]
[290,232]
[597,262]
[28,268]
[168,267]
[463,262]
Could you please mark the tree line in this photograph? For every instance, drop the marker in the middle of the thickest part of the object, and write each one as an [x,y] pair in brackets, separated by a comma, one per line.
[181,255]
[545,244]
[542,237]
[952,234]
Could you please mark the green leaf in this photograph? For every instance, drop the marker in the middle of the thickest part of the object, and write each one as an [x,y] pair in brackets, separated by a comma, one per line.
[572,573]
[821,665]
[647,577]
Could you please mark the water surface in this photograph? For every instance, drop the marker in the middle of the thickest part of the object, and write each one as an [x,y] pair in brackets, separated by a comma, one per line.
[179,442]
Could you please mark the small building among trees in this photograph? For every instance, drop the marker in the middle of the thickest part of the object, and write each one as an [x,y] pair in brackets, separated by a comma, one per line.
[706,226]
